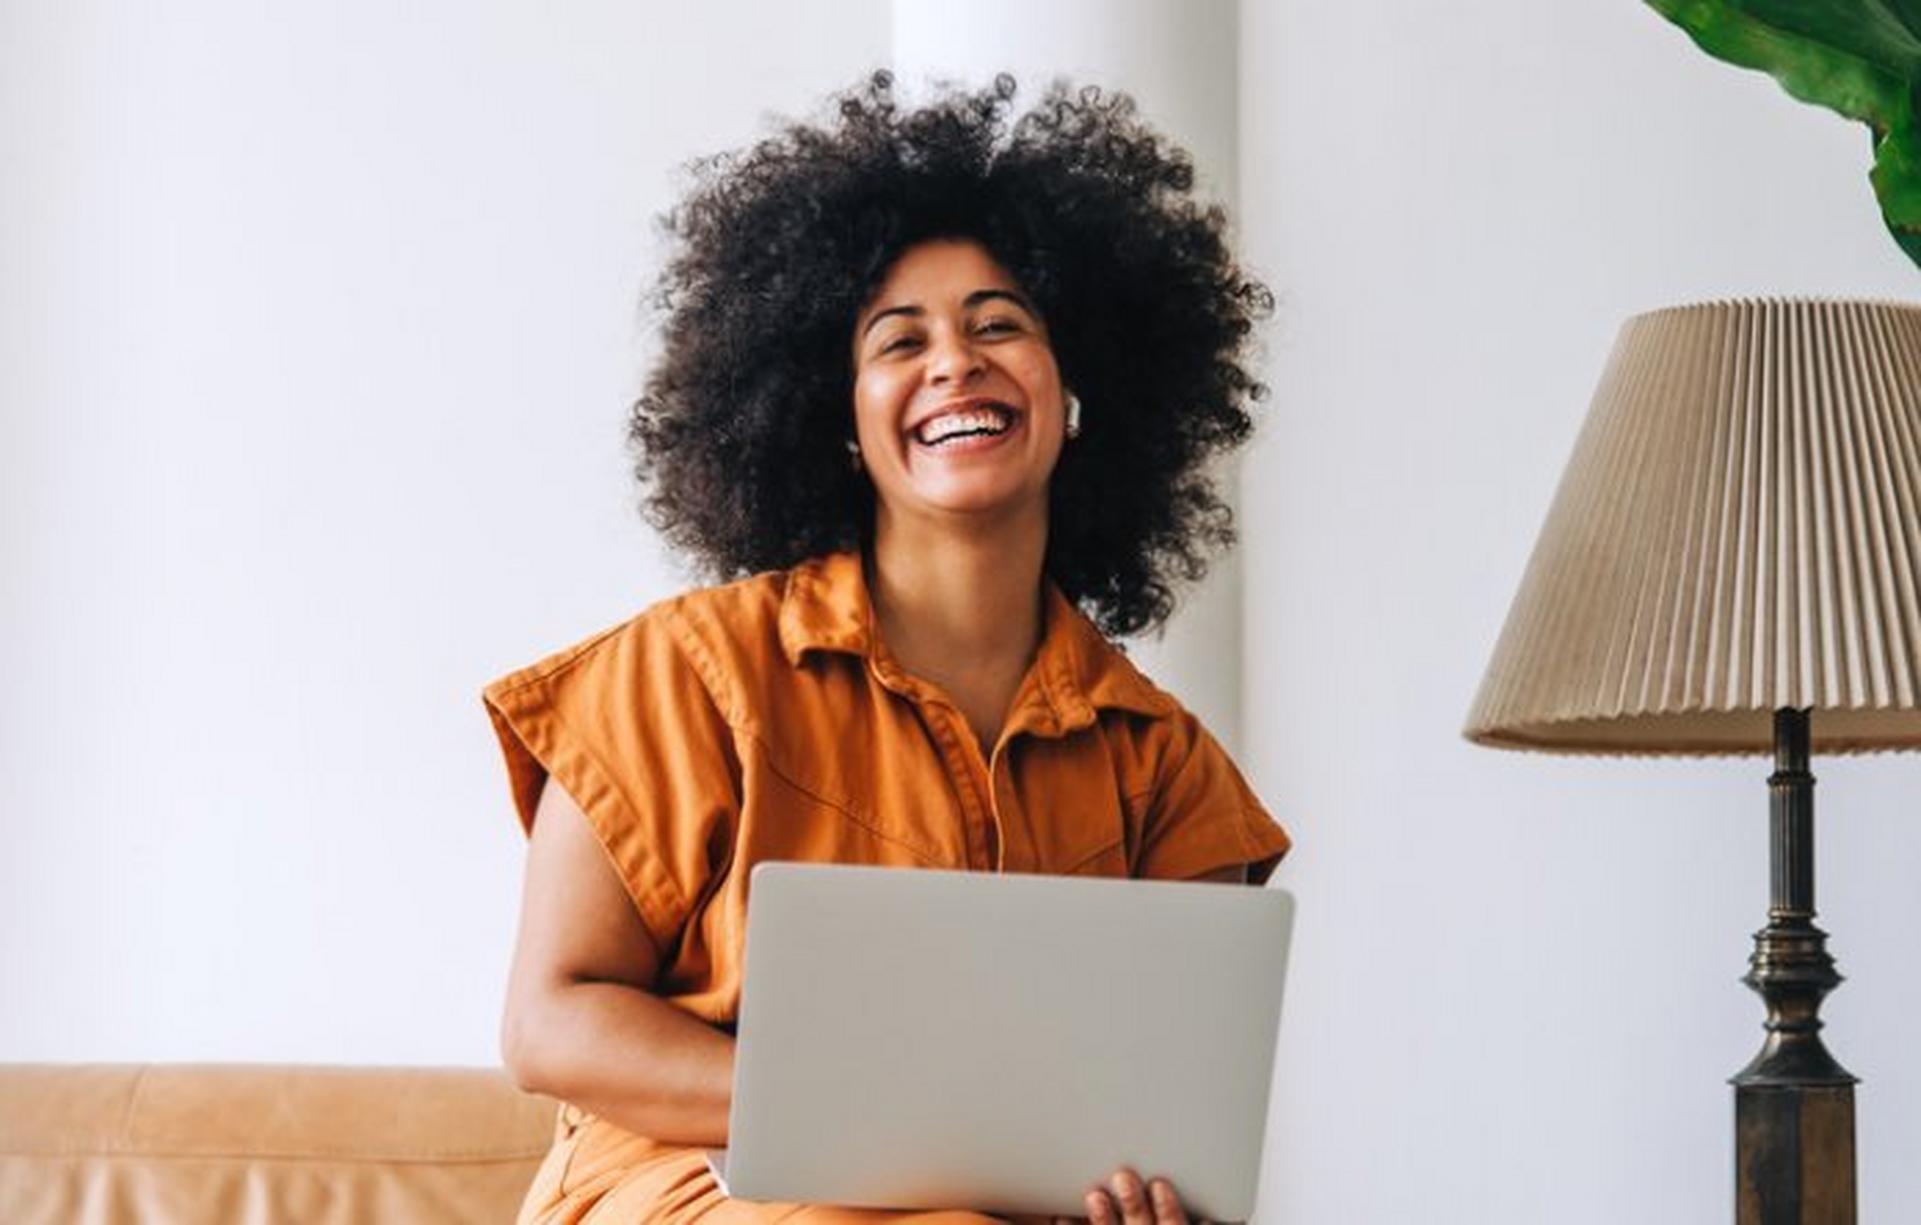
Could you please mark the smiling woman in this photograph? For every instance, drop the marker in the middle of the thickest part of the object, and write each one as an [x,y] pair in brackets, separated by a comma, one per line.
[992,390]
[957,400]
[868,419]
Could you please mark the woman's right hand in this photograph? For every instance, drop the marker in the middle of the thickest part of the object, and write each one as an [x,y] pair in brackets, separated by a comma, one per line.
[1124,1199]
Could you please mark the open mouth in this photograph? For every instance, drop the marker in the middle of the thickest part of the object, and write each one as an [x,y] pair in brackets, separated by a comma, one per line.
[955,429]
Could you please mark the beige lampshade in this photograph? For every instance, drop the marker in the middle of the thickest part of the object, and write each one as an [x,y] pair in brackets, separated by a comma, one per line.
[1739,529]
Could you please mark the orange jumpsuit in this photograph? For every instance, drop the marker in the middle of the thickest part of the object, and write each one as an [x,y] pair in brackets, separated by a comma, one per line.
[765,719]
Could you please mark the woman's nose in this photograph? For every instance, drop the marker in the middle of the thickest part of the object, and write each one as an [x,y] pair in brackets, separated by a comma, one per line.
[953,357]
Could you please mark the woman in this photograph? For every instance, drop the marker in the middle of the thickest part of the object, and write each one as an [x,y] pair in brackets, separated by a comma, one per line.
[936,386]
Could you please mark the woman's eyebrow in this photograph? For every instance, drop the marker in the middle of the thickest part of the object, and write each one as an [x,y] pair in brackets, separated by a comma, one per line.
[968,303]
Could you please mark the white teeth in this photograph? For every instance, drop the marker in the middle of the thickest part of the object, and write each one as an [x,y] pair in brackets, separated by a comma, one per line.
[987,420]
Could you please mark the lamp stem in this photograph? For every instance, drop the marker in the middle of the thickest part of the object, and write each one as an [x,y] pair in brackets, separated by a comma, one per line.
[1791,820]
[1793,1104]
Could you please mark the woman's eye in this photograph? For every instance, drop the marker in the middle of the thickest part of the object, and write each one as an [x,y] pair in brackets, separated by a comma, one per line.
[1001,327]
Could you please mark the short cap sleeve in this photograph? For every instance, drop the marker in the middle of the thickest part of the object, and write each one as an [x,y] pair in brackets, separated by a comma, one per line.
[1202,816]
[624,723]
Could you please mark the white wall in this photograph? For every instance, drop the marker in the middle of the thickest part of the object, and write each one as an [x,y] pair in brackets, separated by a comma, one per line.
[1514,993]
[317,332]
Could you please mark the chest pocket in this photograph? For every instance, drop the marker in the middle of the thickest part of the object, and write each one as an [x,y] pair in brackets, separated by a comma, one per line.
[797,815]
[1061,805]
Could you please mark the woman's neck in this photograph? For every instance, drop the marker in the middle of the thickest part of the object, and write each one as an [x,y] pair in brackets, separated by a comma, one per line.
[962,609]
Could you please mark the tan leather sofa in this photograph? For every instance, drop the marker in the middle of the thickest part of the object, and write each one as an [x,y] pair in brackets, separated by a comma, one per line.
[239,1144]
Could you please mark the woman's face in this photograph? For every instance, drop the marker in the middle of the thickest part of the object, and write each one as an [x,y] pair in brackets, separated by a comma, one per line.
[957,400]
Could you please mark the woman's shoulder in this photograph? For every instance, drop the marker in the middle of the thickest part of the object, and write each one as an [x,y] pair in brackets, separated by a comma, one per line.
[744,612]
[725,635]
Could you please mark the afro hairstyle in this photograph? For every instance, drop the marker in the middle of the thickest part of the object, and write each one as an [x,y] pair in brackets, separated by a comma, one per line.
[739,433]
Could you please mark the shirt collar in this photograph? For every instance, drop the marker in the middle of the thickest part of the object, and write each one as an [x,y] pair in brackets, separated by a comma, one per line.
[825,608]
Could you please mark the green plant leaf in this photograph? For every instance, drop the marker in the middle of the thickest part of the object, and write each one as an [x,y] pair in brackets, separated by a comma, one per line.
[1861,58]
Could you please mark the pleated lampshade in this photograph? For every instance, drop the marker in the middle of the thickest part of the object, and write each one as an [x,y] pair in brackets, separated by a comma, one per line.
[1738,531]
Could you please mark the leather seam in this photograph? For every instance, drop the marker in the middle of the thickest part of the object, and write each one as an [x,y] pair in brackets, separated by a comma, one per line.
[462,1157]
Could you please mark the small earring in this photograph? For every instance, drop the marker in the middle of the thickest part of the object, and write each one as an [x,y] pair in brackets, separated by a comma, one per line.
[853,455]
[1073,415]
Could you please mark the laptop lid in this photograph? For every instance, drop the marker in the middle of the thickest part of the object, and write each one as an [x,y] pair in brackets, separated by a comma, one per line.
[916,1038]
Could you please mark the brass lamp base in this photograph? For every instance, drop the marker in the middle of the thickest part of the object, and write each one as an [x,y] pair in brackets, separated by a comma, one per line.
[1795,1163]
[1793,1104]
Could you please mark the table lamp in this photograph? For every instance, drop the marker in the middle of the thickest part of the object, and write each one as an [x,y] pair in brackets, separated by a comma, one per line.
[1732,564]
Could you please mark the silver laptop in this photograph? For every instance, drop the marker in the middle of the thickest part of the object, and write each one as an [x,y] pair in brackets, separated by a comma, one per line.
[936,1039]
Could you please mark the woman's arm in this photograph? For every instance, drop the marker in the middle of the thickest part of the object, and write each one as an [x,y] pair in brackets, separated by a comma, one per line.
[580,1024]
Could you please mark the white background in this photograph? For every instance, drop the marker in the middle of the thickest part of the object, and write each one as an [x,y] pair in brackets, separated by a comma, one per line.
[317,329]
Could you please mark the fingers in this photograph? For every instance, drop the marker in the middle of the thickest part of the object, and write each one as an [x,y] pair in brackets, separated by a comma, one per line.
[1125,1200]
[1100,1209]
[1167,1205]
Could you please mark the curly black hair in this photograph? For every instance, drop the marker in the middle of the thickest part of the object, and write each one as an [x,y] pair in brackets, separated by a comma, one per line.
[739,431]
